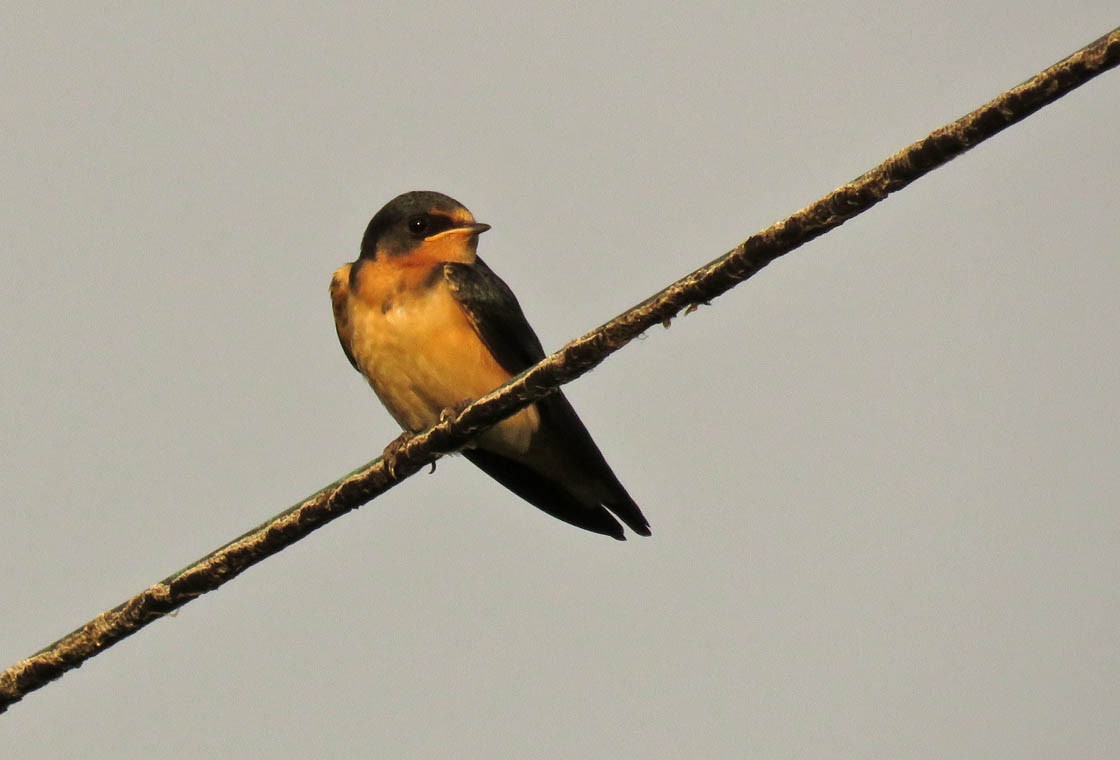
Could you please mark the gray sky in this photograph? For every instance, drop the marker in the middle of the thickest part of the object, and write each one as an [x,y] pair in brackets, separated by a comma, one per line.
[881,476]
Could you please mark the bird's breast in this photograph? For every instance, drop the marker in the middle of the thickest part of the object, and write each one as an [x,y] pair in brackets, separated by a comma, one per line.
[419,351]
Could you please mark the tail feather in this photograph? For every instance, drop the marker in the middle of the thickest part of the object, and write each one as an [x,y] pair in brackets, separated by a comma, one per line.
[546,494]
[565,433]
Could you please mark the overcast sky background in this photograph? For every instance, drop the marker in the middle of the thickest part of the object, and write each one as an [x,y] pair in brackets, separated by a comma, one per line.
[882,476]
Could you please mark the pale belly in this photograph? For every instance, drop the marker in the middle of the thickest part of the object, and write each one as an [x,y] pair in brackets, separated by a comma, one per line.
[421,355]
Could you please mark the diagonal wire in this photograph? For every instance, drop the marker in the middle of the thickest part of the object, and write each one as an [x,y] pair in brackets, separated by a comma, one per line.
[574,359]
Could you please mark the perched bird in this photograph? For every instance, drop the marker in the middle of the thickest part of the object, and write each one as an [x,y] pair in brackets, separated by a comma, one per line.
[430,327]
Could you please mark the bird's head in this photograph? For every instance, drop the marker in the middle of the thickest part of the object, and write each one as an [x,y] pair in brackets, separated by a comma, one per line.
[423,221]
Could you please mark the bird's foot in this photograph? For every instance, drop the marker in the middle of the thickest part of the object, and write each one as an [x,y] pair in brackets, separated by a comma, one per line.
[391,453]
[453,411]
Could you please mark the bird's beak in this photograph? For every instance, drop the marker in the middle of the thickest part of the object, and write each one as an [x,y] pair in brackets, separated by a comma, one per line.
[466,231]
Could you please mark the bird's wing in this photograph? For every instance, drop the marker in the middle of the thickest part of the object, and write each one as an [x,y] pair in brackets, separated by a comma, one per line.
[497,317]
[340,295]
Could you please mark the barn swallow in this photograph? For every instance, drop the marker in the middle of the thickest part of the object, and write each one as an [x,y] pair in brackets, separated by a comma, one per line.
[431,327]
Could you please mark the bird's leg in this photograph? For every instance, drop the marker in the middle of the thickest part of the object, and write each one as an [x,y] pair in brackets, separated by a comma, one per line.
[393,450]
[451,412]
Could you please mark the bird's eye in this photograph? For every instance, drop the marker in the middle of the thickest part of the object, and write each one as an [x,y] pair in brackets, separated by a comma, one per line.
[418,225]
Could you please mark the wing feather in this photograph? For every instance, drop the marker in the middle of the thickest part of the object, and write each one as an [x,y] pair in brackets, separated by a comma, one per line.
[497,317]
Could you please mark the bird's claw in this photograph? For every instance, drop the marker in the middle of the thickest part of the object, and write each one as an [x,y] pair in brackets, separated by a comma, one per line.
[392,452]
[454,410]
